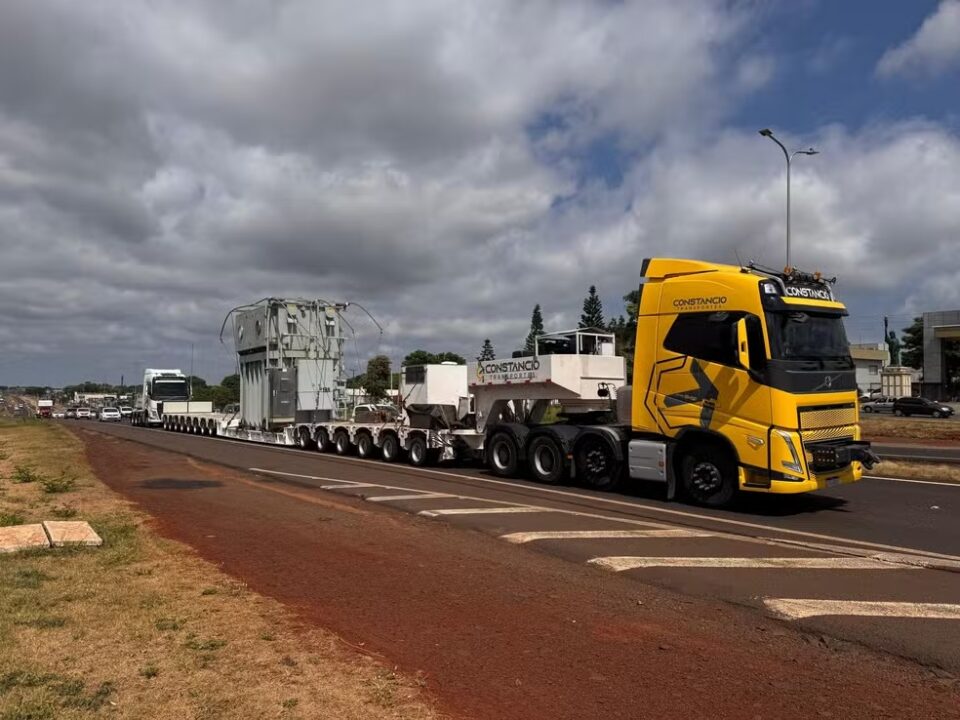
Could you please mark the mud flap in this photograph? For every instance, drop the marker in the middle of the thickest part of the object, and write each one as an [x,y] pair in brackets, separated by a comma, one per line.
[671,475]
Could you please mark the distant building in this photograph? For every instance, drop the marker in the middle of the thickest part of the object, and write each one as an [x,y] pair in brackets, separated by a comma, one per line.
[869,359]
[940,326]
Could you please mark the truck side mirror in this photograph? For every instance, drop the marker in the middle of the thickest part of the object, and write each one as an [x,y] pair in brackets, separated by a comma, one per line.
[743,346]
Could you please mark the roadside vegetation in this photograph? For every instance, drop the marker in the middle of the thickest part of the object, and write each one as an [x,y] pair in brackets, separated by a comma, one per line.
[916,471]
[141,628]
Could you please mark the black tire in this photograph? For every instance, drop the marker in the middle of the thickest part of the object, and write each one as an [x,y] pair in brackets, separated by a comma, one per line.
[341,442]
[321,440]
[898,412]
[708,476]
[502,455]
[365,446]
[390,448]
[304,441]
[937,414]
[596,463]
[546,460]
[868,409]
[417,451]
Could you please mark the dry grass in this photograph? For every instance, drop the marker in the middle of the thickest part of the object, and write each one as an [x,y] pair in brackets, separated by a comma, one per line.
[141,628]
[889,426]
[916,471]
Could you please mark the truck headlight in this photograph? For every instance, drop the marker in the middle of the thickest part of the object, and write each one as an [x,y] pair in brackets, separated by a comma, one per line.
[793,465]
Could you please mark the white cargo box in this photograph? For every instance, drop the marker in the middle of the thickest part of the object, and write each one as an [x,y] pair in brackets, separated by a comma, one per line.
[187,406]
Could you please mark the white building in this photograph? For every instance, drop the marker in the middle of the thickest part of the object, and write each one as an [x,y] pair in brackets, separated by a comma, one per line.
[869,359]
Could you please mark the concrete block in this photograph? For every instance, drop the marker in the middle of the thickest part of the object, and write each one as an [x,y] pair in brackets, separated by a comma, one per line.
[22,537]
[71,532]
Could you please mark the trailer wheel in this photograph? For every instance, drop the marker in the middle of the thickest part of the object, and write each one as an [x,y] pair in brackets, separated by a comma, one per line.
[390,448]
[365,447]
[596,465]
[502,455]
[303,439]
[418,453]
[341,442]
[708,476]
[545,457]
[321,440]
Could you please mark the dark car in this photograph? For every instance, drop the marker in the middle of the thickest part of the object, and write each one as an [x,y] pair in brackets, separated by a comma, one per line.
[921,406]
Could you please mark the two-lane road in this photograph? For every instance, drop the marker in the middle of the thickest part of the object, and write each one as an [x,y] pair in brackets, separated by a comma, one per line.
[877,562]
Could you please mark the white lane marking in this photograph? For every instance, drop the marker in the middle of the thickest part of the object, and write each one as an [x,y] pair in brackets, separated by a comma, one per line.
[414,496]
[619,564]
[918,482]
[343,485]
[525,537]
[847,549]
[797,609]
[483,511]
[895,558]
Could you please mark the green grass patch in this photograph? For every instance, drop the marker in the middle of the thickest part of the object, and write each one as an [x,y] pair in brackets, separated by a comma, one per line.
[44,622]
[29,578]
[64,512]
[195,643]
[8,519]
[167,624]
[121,541]
[23,474]
[149,671]
[64,482]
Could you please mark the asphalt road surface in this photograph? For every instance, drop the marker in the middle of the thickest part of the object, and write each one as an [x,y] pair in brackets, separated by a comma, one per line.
[877,563]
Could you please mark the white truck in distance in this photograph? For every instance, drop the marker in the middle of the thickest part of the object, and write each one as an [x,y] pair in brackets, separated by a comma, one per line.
[164,392]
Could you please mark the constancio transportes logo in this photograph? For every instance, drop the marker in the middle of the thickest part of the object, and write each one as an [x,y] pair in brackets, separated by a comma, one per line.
[507,369]
[700,302]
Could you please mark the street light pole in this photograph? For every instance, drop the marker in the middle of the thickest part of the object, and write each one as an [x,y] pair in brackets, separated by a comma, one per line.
[768,133]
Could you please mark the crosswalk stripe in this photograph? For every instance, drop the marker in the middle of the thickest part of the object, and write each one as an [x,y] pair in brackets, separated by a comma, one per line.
[525,537]
[619,564]
[413,496]
[482,510]
[346,485]
[797,609]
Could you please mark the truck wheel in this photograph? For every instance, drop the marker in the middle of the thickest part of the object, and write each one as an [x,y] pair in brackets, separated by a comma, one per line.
[303,439]
[545,457]
[596,465]
[322,440]
[390,447]
[709,476]
[502,455]
[418,452]
[365,446]
[341,442]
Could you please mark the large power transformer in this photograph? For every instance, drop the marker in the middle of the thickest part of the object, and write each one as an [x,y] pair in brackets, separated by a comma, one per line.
[289,354]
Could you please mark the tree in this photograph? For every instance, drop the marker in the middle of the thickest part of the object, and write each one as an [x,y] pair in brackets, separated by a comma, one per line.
[450,357]
[419,357]
[592,315]
[536,330]
[625,330]
[232,384]
[377,378]
[196,381]
[486,352]
[912,353]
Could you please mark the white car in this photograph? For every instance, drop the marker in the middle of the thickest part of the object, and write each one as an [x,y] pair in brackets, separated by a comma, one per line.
[84,413]
[126,411]
[110,414]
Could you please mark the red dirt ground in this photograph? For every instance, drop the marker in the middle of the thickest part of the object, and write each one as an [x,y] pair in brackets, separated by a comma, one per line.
[498,631]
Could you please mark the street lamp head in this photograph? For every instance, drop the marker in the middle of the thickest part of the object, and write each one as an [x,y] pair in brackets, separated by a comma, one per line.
[809,151]
[766,132]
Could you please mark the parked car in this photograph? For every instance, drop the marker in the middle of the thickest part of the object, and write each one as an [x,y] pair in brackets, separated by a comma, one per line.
[71,413]
[907,406]
[126,411]
[110,414]
[59,415]
[84,414]
[877,404]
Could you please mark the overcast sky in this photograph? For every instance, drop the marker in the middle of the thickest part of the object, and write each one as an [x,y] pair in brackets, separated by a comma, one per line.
[448,164]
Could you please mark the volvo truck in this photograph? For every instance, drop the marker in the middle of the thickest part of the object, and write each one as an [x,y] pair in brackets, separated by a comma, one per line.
[741,381]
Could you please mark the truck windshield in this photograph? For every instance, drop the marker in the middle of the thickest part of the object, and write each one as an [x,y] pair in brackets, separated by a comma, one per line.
[170,390]
[807,336]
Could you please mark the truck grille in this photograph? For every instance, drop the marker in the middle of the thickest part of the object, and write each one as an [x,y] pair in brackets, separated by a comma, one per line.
[847,432]
[827,416]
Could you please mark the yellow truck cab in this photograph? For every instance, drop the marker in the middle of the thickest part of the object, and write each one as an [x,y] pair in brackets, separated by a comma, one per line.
[746,372]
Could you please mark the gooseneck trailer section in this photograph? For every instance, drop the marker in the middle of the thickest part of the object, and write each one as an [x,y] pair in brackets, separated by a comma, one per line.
[742,380]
